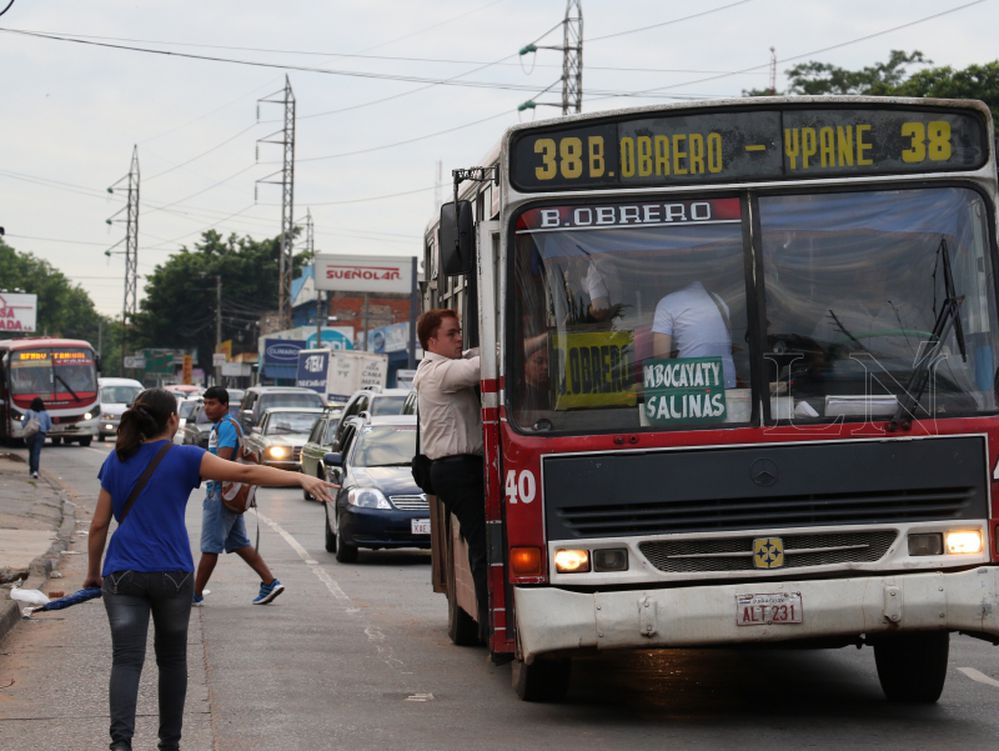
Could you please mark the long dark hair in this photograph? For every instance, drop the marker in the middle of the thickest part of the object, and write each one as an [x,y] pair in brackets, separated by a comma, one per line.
[146,418]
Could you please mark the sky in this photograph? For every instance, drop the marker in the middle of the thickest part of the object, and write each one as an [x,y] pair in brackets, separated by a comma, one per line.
[389,93]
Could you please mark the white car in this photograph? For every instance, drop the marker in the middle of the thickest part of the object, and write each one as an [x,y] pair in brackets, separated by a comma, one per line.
[116,395]
[185,408]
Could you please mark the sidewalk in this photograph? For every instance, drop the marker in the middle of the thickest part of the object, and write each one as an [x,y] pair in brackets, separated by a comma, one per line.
[36,525]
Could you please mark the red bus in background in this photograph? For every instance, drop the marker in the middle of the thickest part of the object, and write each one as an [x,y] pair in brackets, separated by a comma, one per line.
[63,372]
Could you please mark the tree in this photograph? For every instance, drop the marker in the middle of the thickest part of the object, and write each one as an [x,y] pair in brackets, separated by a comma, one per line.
[179,309]
[64,309]
[893,78]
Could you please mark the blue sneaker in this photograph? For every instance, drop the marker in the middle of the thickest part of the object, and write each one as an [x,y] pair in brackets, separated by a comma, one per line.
[198,600]
[268,592]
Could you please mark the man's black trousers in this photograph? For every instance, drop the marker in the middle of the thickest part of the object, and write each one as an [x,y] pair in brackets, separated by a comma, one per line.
[458,483]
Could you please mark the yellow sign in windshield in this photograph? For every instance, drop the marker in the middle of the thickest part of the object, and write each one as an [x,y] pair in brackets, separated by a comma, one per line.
[594,370]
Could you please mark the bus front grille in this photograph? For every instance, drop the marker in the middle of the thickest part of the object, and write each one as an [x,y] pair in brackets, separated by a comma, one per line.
[736,553]
[746,513]
[874,483]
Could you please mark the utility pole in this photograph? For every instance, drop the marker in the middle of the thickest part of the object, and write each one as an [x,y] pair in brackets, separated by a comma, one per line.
[131,241]
[572,61]
[572,57]
[285,138]
[438,186]
[773,71]
[218,325]
[310,248]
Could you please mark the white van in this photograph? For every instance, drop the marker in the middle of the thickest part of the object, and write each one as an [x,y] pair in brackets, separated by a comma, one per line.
[116,395]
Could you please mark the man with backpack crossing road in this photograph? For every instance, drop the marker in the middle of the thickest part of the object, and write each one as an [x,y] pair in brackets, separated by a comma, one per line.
[223,530]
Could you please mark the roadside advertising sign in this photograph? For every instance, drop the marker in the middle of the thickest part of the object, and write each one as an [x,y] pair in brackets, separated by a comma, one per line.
[280,357]
[282,351]
[18,312]
[364,273]
[404,378]
[392,338]
[237,369]
[135,362]
[187,367]
[312,368]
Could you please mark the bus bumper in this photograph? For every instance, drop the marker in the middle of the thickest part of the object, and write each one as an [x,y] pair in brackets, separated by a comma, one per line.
[74,430]
[550,619]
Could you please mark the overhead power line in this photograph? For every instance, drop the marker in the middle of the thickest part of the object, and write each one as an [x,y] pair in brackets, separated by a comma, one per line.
[387,58]
[766,65]
[454,81]
[666,23]
[366,199]
[205,153]
[432,26]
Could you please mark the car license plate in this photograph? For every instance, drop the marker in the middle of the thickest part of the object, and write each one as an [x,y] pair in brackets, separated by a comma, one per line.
[420,526]
[777,609]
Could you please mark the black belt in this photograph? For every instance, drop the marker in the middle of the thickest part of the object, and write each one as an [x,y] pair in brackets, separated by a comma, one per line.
[459,458]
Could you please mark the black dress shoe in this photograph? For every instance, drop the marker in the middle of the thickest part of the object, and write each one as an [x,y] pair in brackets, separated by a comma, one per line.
[121,746]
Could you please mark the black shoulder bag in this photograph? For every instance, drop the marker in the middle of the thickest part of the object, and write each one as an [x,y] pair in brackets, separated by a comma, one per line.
[421,462]
[143,479]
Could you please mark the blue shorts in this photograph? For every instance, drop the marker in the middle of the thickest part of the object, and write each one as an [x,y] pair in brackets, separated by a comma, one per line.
[221,529]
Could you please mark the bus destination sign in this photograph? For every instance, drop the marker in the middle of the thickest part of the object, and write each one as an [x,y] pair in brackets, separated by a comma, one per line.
[745,145]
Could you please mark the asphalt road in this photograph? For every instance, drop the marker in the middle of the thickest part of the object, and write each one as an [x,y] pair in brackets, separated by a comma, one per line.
[356,657]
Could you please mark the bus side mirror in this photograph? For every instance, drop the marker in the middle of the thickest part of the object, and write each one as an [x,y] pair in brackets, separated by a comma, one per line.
[457,242]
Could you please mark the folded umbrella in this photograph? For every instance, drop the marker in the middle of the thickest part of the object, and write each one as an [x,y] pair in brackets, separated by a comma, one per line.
[80,595]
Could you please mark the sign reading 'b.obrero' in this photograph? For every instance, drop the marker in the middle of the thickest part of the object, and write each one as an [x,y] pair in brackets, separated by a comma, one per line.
[363,273]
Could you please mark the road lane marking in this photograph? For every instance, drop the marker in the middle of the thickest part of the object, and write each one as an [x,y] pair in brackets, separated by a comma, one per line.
[980,677]
[376,637]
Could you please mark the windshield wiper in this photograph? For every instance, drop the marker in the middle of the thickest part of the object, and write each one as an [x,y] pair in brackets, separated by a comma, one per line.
[949,316]
[68,387]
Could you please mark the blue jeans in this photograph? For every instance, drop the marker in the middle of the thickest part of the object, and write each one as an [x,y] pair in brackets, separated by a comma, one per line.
[35,450]
[129,598]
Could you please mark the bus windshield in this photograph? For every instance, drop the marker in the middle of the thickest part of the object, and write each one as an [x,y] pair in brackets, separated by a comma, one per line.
[57,375]
[636,315]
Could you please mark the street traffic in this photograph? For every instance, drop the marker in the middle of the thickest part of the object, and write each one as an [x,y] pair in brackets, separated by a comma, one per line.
[356,656]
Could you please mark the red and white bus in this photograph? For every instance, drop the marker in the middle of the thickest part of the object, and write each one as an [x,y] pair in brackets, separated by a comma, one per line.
[739,372]
[63,372]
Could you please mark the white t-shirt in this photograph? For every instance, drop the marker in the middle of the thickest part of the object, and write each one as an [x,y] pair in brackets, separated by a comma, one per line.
[594,284]
[697,323]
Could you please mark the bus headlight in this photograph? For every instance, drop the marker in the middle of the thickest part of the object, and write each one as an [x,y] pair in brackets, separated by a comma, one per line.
[610,559]
[572,560]
[88,415]
[963,541]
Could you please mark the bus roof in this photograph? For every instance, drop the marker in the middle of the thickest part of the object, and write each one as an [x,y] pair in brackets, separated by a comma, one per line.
[832,101]
[42,341]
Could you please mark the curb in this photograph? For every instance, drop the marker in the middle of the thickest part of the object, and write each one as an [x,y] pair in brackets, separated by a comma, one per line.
[42,566]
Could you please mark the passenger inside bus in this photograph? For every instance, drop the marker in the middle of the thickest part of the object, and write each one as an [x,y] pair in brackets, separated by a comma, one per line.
[592,297]
[694,322]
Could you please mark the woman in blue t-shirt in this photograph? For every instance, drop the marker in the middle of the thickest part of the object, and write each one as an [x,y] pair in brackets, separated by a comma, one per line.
[149,567]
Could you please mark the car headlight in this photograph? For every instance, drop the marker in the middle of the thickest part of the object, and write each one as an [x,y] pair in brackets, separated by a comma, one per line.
[88,415]
[367,498]
[278,452]
[105,416]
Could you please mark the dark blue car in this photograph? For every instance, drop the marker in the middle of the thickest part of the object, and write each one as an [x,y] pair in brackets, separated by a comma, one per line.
[377,505]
